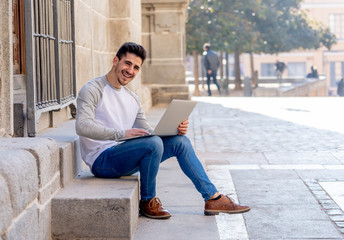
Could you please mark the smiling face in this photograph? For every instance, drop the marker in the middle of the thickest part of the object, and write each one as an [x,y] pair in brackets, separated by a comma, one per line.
[125,69]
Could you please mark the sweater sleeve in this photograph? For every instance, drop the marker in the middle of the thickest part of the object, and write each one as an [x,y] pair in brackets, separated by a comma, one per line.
[87,101]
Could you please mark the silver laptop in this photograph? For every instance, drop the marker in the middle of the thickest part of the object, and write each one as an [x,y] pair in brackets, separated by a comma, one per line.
[175,114]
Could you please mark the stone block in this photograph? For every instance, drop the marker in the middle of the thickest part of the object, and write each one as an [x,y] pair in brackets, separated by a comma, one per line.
[71,162]
[44,221]
[100,32]
[122,26]
[165,45]
[101,7]
[166,22]
[84,67]
[102,62]
[164,94]
[119,8]
[164,73]
[93,208]
[5,206]
[45,152]
[83,17]
[25,227]
[47,191]
[18,168]
[67,169]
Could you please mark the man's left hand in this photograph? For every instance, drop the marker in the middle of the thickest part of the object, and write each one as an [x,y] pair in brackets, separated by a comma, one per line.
[183,128]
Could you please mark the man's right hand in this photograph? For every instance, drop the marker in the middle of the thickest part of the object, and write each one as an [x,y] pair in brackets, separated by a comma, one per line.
[135,132]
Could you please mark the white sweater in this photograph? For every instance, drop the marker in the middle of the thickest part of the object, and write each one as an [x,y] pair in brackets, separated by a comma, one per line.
[104,113]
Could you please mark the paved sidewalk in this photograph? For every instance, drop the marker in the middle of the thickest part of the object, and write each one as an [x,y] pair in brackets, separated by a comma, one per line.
[284,157]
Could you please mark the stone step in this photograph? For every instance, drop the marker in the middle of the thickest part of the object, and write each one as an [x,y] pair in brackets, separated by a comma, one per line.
[94,208]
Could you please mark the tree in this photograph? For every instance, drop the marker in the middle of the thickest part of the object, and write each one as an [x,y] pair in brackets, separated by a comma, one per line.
[198,30]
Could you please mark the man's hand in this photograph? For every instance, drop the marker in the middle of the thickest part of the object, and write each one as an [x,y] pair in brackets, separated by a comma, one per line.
[209,71]
[183,128]
[135,132]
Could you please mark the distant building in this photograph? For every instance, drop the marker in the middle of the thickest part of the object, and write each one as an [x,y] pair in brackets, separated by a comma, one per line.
[328,63]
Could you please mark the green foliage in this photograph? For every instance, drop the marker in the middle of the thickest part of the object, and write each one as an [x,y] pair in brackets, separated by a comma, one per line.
[260,26]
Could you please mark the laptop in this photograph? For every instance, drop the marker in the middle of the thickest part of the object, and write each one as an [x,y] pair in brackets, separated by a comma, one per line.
[177,112]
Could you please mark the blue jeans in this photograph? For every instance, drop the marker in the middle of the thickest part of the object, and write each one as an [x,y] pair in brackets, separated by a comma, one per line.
[145,155]
[213,75]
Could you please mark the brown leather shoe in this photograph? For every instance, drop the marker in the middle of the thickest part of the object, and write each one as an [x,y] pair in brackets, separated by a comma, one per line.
[153,209]
[223,205]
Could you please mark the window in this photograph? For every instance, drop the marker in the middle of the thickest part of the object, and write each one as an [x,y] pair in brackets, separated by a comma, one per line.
[50,57]
[337,25]
[297,69]
[268,69]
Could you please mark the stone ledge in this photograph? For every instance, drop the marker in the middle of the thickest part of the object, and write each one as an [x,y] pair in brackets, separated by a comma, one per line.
[25,226]
[68,143]
[44,150]
[5,206]
[19,170]
[94,208]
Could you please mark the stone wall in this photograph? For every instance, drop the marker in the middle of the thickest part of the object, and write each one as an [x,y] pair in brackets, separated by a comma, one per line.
[6,69]
[101,27]
[29,178]
[306,88]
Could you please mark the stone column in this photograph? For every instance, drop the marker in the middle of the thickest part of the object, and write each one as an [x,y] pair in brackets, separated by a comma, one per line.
[6,69]
[163,35]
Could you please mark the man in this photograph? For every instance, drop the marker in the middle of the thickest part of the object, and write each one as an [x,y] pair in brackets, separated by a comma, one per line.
[108,110]
[211,63]
[280,66]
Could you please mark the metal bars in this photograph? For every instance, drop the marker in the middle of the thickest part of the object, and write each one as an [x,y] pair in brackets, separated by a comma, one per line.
[44,54]
[51,56]
[65,51]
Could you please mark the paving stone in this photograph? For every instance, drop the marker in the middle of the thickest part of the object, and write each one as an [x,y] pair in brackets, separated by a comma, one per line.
[334,212]
[180,230]
[325,175]
[286,212]
[327,201]
[297,229]
[323,197]
[337,218]
[263,174]
[271,185]
[254,197]
[340,224]
[330,206]
[301,158]
[315,188]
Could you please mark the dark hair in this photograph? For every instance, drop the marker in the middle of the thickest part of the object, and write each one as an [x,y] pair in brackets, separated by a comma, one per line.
[131,47]
[206,46]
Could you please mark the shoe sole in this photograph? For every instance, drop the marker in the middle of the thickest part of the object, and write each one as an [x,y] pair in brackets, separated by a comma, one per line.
[154,217]
[217,212]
